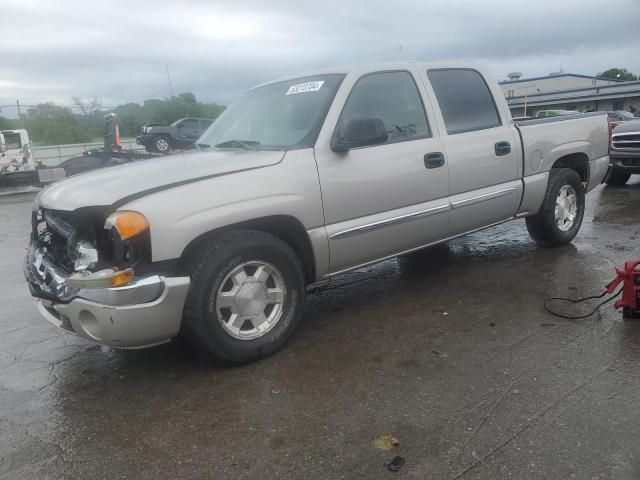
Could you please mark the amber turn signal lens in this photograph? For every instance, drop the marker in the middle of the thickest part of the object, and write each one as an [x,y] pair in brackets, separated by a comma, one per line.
[122,278]
[127,223]
[101,279]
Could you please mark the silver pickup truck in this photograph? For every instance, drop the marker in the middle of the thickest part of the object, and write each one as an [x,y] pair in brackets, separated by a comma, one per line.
[301,179]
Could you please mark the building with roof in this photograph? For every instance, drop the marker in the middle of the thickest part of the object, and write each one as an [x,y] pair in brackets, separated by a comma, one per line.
[569,91]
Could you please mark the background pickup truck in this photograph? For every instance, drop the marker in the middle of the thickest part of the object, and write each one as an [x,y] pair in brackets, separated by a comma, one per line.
[625,152]
[301,179]
[182,133]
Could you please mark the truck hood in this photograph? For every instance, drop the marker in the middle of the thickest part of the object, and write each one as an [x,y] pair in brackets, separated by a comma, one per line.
[114,186]
[629,126]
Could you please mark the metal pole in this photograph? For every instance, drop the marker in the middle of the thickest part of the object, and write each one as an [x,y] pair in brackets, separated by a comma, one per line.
[19,114]
[166,66]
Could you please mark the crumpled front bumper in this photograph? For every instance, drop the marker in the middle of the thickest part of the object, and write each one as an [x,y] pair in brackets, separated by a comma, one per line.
[123,326]
[144,313]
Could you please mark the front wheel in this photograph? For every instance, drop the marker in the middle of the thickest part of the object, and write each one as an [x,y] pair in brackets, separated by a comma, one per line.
[617,179]
[560,217]
[246,296]
[160,144]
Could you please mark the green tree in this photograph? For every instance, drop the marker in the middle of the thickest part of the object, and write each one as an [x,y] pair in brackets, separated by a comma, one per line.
[132,115]
[49,124]
[89,117]
[618,74]
[6,124]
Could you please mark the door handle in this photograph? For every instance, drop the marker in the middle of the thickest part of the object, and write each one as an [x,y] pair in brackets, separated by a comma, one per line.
[502,148]
[434,160]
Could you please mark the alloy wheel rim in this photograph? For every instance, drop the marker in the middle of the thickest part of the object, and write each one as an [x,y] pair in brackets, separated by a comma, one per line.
[162,145]
[566,209]
[250,300]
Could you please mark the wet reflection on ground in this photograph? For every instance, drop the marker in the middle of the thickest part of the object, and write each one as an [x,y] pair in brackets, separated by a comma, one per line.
[449,350]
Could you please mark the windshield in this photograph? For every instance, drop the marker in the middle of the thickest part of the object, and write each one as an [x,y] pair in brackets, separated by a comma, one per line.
[277,116]
[12,140]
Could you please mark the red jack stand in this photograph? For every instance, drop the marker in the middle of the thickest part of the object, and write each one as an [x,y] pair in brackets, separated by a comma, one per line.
[630,300]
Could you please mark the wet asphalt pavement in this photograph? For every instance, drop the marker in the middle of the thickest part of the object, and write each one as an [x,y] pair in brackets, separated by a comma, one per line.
[449,351]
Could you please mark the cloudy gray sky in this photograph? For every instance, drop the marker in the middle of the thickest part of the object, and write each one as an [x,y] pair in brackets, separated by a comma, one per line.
[116,50]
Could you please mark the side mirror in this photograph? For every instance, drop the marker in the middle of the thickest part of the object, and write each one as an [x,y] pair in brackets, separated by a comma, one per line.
[361,132]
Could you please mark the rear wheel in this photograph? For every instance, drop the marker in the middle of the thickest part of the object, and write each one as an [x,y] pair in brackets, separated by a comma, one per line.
[246,296]
[617,179]
[560,216]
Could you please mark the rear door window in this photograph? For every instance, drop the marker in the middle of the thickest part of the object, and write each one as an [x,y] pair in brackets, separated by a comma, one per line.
[465,100]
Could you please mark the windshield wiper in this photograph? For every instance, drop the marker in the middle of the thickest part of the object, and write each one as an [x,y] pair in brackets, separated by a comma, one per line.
[246,144]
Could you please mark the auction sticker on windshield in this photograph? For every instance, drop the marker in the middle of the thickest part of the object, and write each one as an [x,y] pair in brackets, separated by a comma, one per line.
[305,87]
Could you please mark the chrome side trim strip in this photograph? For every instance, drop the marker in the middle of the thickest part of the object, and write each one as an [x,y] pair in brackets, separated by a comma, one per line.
[389,221]
[404,252]
[522,214]
[482,198]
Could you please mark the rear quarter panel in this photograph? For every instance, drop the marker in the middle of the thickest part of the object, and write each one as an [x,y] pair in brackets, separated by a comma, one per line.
[547,140]
[544,142]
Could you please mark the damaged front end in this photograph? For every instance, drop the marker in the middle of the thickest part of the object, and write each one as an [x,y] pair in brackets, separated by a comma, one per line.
[82,267]
[58,245]
[71,252]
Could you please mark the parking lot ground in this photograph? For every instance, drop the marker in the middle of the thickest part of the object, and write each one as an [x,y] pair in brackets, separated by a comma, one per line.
[449,351]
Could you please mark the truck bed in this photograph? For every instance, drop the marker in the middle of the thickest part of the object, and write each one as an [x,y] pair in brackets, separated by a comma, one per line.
[559,118]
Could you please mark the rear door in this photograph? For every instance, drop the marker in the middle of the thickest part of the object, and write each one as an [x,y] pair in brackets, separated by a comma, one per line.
[482,150]
[383,199]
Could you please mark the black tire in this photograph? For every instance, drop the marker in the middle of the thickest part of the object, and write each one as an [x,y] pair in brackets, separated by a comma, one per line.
[543,227]
[209,267]
[161,144]
[617,179]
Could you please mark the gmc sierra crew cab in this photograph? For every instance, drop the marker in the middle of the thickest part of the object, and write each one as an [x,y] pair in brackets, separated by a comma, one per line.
[301,179]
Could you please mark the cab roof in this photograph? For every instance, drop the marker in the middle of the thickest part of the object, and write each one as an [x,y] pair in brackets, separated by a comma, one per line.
[360,69]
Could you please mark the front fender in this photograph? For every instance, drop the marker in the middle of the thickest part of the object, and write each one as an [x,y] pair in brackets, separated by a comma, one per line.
[180,214]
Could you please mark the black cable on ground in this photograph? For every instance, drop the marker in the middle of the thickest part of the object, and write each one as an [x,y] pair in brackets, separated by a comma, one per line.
[579,300]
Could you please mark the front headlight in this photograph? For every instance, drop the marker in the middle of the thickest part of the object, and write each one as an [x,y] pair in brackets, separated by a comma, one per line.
[129,238]
[85,256]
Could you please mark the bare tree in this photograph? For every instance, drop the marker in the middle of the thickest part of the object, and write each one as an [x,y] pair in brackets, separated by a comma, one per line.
[87,108]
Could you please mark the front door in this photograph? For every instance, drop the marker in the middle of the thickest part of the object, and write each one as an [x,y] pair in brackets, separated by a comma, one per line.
[384,199]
